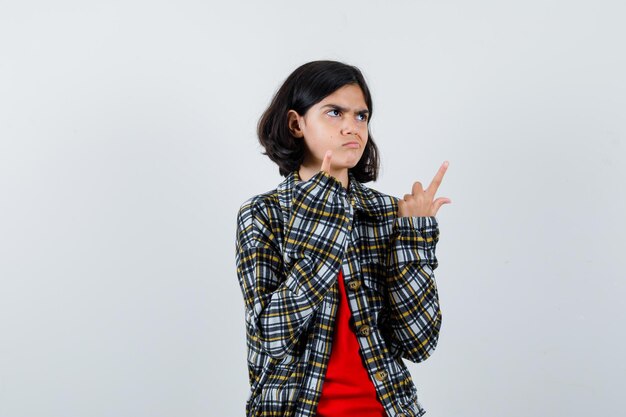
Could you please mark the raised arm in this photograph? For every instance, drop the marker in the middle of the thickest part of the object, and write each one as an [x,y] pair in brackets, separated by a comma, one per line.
[282,290]
[415,316]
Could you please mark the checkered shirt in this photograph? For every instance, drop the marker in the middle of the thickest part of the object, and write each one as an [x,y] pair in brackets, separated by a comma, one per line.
[290,245]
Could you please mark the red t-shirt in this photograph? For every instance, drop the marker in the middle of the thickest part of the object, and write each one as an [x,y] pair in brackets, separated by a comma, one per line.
[347,389]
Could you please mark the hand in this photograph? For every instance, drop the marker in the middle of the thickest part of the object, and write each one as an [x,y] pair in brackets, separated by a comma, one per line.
[420,202]
[326,166]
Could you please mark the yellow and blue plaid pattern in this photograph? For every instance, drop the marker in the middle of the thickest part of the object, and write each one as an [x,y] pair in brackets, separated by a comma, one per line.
[290,244]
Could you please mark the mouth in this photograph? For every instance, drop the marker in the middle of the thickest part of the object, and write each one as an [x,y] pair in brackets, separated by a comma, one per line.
[352,144]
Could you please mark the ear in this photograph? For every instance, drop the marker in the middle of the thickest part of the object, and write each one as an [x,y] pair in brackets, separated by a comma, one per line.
[293,123]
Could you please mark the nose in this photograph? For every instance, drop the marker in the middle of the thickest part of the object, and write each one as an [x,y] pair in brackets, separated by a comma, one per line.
[350,127]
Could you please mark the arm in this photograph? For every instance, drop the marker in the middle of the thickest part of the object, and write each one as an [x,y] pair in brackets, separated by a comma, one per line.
[282,290]
[415,317]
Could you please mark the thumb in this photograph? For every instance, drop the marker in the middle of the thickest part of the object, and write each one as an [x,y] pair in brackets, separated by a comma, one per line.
[440,202]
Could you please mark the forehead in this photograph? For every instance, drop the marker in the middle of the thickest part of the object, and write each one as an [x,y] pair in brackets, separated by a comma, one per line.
[348,95]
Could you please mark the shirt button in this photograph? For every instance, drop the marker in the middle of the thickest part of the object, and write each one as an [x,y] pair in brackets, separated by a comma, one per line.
[364,330]
[380,375]
[354,284]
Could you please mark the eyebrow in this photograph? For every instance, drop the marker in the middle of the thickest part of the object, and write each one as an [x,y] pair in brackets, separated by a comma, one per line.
[345,109]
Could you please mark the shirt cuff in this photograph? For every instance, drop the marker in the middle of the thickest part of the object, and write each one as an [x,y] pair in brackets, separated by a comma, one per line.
[426,225]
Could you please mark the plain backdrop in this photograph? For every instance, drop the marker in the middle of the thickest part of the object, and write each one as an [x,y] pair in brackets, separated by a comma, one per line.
[127,145]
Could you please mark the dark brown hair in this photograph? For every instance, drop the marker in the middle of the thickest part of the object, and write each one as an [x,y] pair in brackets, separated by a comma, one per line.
[307,85]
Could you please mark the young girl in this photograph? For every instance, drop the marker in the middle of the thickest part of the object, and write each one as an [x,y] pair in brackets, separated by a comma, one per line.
[337,278]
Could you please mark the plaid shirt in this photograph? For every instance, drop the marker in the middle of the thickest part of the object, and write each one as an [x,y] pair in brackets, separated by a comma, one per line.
[290,244]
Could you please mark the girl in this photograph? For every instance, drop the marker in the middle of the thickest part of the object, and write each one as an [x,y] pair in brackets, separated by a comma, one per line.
[337,278]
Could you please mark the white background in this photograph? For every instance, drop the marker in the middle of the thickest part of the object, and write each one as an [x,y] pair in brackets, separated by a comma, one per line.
[127,144]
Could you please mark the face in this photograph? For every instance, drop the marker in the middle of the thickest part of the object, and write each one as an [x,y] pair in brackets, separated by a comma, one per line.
[338,119]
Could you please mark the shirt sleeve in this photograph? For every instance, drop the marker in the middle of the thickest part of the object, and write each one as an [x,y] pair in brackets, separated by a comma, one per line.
[283,288]
[415,317]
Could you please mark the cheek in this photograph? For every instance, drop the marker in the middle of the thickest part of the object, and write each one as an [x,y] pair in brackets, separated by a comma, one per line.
[319,148]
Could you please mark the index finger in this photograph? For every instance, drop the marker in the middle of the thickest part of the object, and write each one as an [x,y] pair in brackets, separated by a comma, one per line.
[326,162]
[436,182]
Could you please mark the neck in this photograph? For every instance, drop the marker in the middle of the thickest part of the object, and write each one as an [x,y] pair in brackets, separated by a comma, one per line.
[306,172]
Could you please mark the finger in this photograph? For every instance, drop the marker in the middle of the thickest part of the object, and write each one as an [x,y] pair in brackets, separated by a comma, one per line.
[417,188]
[326,161]
[436,182]
[440,202]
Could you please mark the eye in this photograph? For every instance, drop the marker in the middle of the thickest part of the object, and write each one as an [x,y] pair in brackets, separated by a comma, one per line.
[335,110]
[364,116]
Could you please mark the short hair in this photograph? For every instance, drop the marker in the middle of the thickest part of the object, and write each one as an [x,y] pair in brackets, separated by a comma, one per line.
[307,85]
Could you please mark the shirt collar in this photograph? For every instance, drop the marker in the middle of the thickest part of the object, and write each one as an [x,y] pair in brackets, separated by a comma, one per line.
[361,197]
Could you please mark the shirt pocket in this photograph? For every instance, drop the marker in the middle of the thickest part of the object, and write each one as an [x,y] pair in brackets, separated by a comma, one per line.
[373,282]
[373,278]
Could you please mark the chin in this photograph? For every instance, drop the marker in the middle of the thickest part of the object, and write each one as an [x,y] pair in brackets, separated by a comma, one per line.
[353,163]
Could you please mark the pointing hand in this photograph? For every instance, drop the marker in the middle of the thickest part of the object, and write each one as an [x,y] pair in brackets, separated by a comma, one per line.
[420,202]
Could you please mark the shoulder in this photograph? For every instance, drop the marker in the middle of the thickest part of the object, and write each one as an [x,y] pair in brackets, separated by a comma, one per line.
[257,216]
[259,204]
